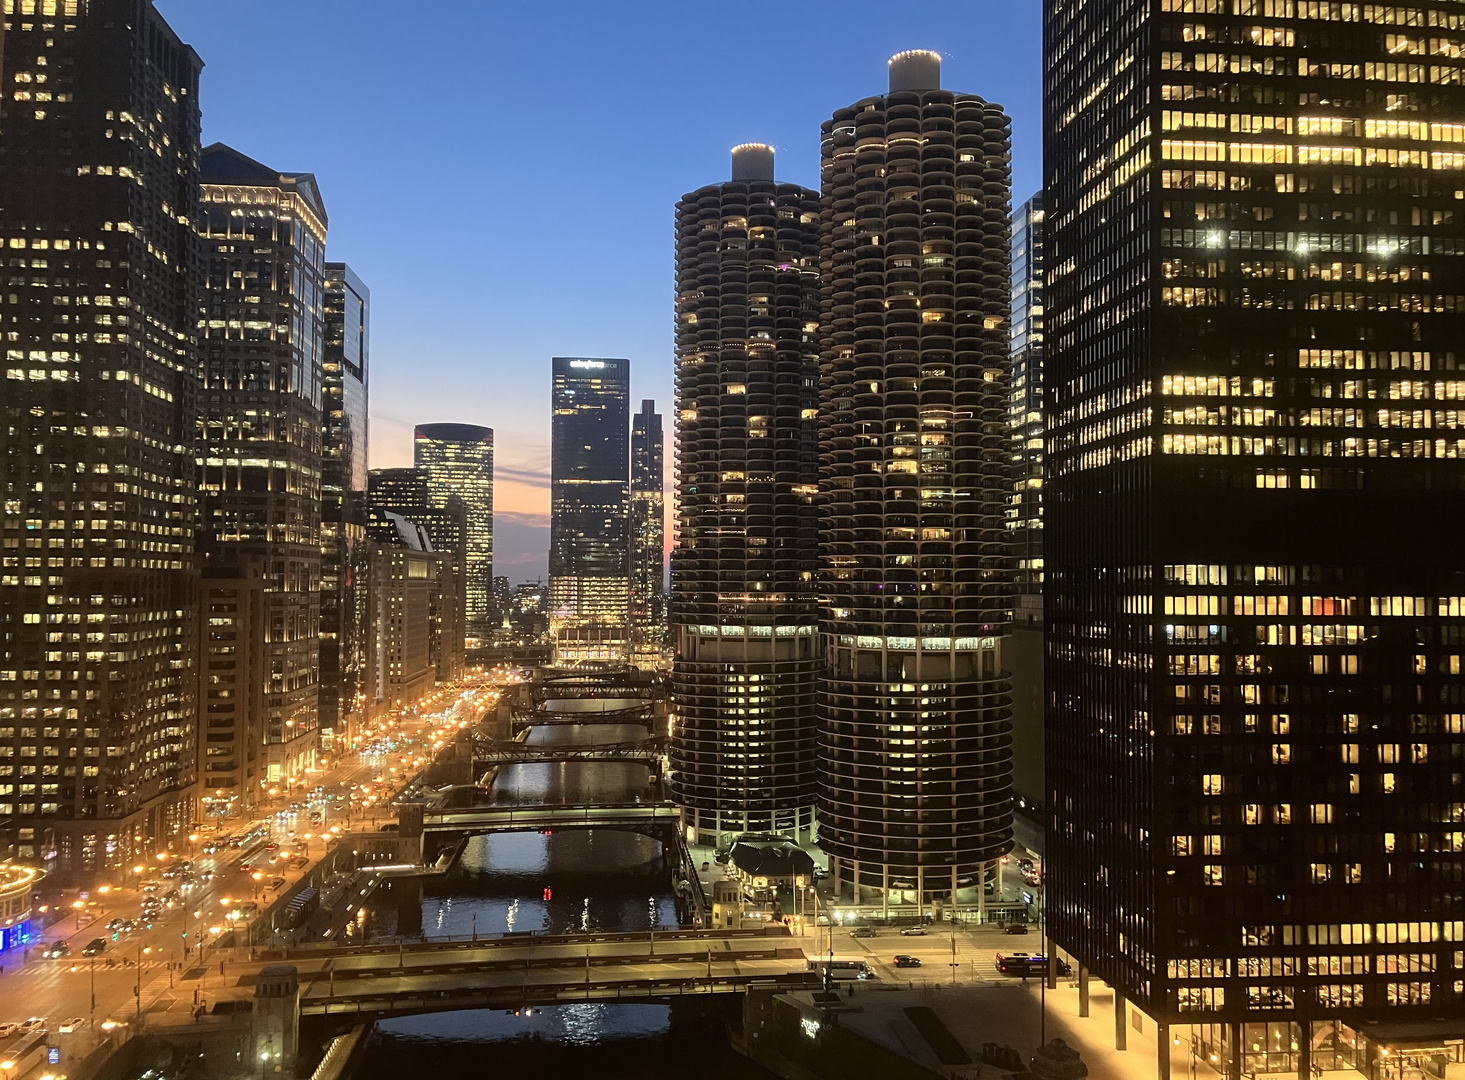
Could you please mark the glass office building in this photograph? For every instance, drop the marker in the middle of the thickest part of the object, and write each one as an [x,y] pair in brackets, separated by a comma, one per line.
[915,457]
[647,539]
[1253,591]
[744,606]
[589,549]
[457,459]
[343,490]
[1025,514]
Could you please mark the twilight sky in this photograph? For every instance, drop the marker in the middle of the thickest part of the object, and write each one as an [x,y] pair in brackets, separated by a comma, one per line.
[502,175]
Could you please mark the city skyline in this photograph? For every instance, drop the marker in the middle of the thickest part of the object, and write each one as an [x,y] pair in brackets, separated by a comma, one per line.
[431,362]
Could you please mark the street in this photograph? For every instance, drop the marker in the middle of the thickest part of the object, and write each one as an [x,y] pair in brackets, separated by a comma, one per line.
[169,960]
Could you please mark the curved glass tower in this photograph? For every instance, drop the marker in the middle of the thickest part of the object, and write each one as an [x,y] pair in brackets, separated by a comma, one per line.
[914,475]
[744,611]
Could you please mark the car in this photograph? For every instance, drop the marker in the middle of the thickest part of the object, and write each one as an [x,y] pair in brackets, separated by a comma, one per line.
[117,925]
[904,961]
[9,1029]
[94,947]
[913,931]
[272,846]
[862,931]
[35,1023]
[820,873]
[68,1026]
[57,949]
[277,883]
[1015,928]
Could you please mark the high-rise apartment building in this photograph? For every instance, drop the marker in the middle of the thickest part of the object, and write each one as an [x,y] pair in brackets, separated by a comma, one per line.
[347,309]
[745,611]
[589,550]
[1252,586]
[99,158]
[457,459]
[1025,514]
[647,538]
[260,429]
[914,699]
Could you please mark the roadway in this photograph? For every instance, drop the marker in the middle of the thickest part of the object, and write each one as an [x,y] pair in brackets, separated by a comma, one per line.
[975,955]
[164,965]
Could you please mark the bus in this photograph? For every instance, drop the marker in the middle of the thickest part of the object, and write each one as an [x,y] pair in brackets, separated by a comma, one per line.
[841,969]
[1021,963]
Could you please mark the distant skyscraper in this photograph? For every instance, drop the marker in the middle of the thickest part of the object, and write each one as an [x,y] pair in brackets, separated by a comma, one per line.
[1025,515]
[589,553]
[343,488]
[744,606]
[1253,591]
[647,537]
[915,457]
[458,460]
[260,428]
[98,577]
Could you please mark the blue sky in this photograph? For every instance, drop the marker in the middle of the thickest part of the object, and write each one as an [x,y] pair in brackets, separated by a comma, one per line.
[503,175]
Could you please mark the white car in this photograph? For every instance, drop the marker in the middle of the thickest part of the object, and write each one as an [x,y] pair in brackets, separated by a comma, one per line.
[76,1022]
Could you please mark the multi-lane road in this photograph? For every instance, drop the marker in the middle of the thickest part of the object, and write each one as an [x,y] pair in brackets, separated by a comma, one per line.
[170,961]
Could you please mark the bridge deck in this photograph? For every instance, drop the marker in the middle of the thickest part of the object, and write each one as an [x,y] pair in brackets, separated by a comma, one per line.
[521,818]
[505,973]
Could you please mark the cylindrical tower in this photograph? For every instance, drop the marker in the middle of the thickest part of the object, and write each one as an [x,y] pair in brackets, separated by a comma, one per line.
[743,608]
[914,702]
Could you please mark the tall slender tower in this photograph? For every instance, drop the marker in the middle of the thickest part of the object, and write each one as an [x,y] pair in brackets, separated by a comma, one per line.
[1256,803]
[589,550]
[260,430]
[648,538]
[744,609]
[457,459]
[1025,515]
[343,491]
[914,464]
[98,197]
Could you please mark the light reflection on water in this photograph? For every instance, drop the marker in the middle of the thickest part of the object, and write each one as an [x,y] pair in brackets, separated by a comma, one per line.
[574,879]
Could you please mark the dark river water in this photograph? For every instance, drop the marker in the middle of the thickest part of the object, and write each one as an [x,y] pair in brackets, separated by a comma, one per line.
[570,880]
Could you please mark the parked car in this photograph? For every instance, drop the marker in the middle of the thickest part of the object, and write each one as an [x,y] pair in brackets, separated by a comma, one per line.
[862,931]
[94,947]
[904,961]
[1015,928]
[913,931]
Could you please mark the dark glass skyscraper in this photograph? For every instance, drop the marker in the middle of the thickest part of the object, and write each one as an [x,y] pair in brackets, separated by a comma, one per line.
[915,455]
[647,538]
[1253,580]
[98,651]
[260,430]
[1025,514]
[457,459]
[589,551]
[343,489]
[744,607]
